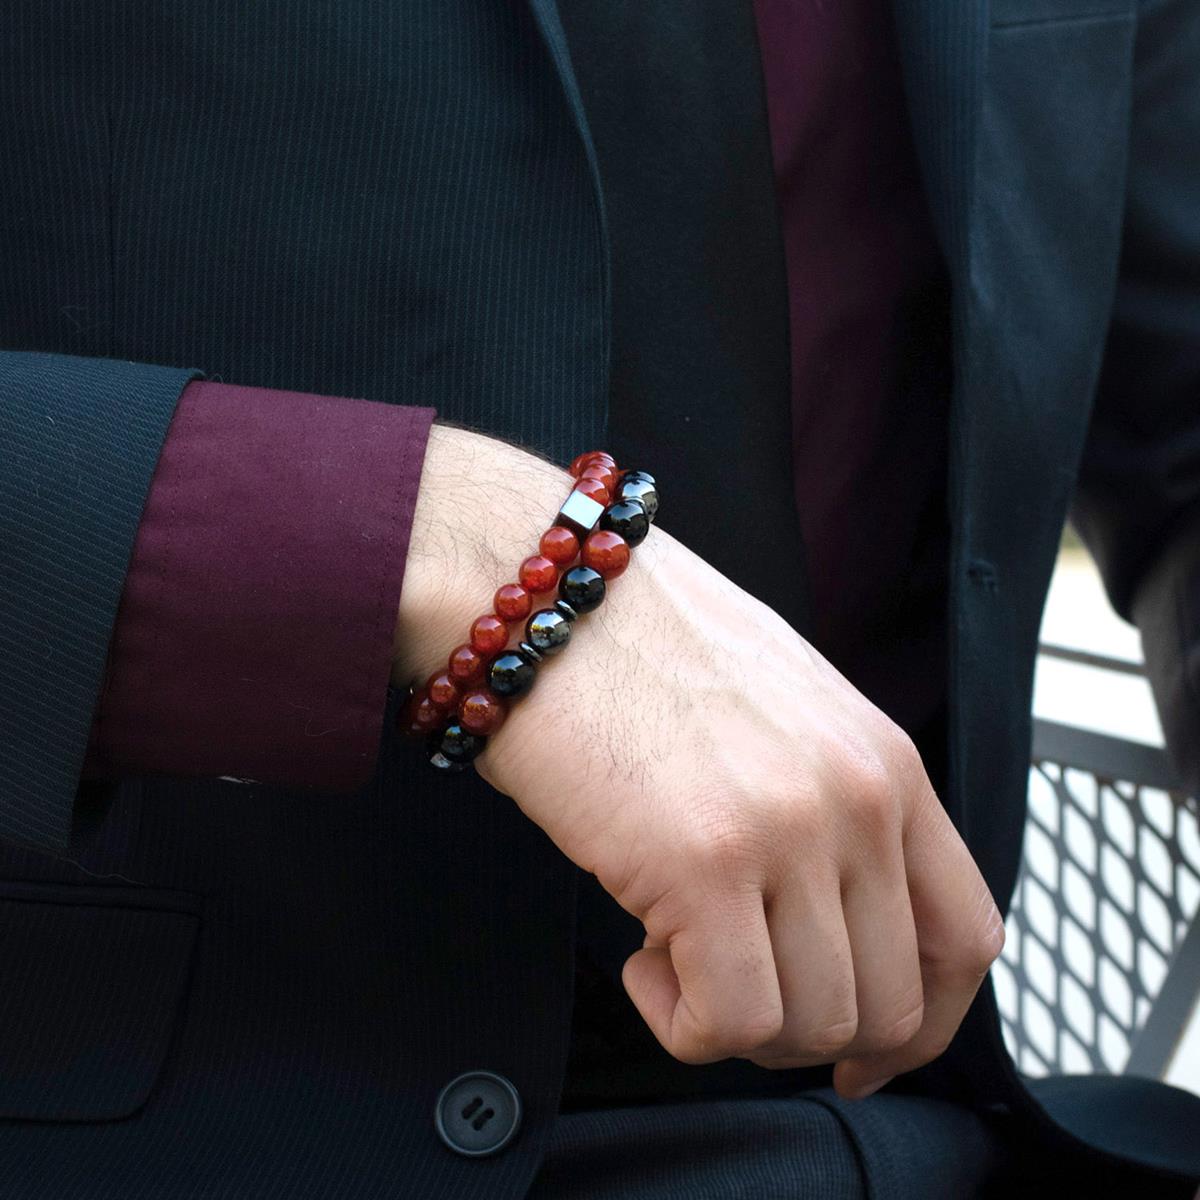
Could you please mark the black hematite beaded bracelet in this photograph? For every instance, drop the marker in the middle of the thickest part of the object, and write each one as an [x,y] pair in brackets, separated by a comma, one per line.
[606,514]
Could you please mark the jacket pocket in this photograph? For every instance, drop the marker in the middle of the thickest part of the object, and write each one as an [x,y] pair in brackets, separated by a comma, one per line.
[92,980]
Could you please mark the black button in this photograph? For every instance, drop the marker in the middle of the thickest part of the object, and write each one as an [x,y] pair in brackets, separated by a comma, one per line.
[478,1113]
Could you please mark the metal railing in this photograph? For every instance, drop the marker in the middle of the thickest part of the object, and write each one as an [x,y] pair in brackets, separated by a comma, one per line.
[1101,970]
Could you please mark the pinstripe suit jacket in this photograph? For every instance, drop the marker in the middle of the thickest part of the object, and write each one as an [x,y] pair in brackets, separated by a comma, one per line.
[221,991]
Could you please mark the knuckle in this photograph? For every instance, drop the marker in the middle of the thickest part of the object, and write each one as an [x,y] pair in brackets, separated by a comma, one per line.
[969,951]
[830,1040]
[805,819]
[985,942]
[905,756]
[897,1033]
[875,797]
[693,1053]
[989,943]
[903,764]
[724,846]
[725,1039]
[754,1036]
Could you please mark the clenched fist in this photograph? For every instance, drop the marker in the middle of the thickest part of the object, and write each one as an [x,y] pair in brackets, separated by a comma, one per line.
[805,897]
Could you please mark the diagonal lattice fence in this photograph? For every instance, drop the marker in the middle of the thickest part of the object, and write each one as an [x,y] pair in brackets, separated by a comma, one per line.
[1101,969]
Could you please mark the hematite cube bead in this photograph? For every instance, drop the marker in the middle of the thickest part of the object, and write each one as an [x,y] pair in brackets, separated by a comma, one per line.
[456,745]
[582,588]
[511,673]
[638,487]
[548,631]
[579,513]
[566,610]
[628,518]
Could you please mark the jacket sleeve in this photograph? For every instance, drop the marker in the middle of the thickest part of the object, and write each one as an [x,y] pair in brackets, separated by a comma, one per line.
[195,578]
[78,442]
[1138,503]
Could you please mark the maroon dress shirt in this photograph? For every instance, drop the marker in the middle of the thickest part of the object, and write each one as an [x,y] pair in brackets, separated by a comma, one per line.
[868,328]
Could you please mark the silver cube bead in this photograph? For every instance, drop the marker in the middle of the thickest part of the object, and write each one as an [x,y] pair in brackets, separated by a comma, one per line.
[579,513]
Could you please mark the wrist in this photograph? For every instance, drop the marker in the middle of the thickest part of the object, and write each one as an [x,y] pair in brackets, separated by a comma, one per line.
[482,505]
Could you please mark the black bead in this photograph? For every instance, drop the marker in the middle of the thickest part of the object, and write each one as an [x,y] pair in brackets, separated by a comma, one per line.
[526,648]
[548,630]
[566,610]
[582,588]
[440,762]
[628,518]
[511,673]
[456,745]
[640,489]
[645,476]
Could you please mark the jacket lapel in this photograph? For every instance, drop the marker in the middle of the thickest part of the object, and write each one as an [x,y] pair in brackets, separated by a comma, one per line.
[943,47]
[550,27]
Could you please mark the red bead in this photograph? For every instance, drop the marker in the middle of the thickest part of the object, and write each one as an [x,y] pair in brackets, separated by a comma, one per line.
[443,691]
[606,552]
[604,456]
[595,489]
[466,665]
[423,715]
[586,459]
[480,711]
[512,602]
[605,472]
[489,635]
[559,545]
[537,574]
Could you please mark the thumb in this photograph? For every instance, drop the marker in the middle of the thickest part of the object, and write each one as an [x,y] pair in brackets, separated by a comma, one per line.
[649,978]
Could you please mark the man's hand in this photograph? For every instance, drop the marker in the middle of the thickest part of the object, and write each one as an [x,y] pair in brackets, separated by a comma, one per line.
[805,897]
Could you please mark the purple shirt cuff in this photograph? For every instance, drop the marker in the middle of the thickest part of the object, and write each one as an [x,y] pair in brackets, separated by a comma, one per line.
[255,631]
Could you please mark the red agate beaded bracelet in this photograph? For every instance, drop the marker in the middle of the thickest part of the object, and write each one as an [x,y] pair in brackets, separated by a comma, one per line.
[607,512]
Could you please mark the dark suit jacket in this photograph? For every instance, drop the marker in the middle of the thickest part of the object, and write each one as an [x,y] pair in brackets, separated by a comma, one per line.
[216,990]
